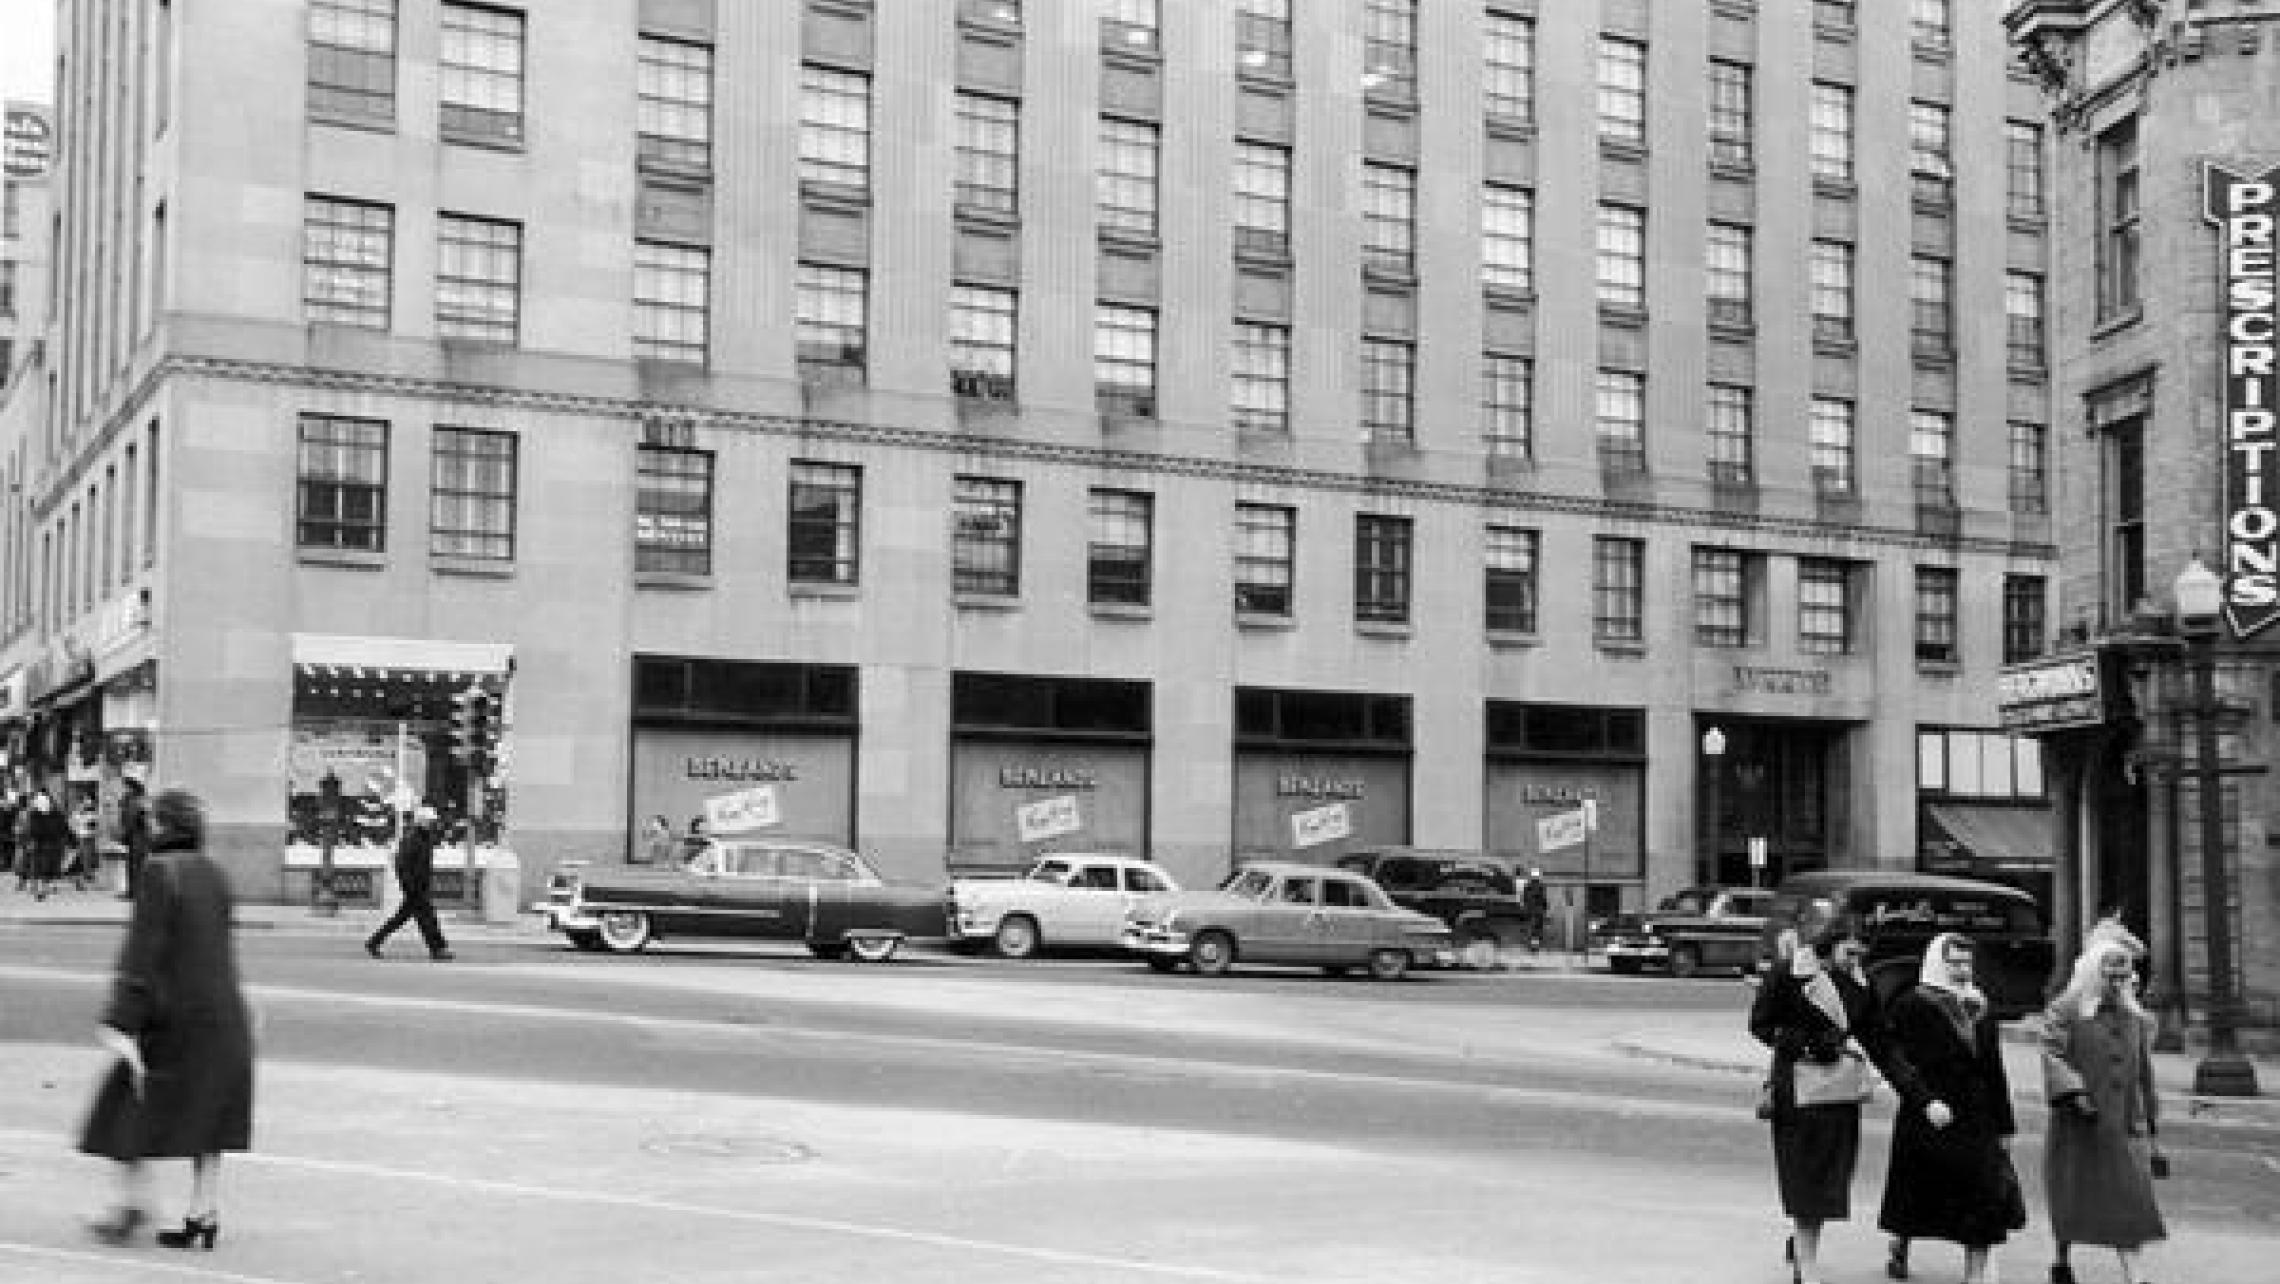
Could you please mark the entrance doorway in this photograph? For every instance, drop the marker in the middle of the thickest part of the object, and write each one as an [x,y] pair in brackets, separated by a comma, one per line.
[1781,783]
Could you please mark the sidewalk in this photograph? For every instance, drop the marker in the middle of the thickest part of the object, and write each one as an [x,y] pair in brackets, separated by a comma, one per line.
[67,907]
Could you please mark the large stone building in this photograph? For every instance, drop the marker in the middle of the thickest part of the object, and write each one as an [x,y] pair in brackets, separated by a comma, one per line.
[969,428]
[27,152]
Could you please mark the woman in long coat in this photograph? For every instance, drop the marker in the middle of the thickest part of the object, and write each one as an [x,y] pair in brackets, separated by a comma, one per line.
[46,833]
[1950,1176]
[2097,1060]
[183,1087]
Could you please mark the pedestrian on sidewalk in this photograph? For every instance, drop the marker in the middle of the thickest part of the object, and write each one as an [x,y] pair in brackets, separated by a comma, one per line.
[183,1084]
[1951,1176]
[46,834]
[1535,907]
[415,874]
[86,843]
[134,831]
[2098,1152]
[11,851]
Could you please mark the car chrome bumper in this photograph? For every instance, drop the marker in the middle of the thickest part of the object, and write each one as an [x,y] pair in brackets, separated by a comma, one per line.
[565,918]
[1155,940]
[1638,951]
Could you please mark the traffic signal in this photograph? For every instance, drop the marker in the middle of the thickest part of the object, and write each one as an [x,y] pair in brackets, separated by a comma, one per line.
[472,728]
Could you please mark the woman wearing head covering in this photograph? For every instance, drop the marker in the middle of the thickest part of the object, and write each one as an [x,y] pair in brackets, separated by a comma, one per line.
[1951,1176]
[183,1086]
[2097,1059]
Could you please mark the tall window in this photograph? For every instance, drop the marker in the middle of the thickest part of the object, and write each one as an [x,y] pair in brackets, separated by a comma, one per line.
[1262,199]
[672,514]
[478,278]
[1931,316]
[1130,23]
[1389,48]
[1830,133]
[989,153]
[1262,37]
[2023,319]
[1831,427]
[1832,292]
[671,301]
[1126,182]
[1721,597]
[1120,526]
[1618,589]
[1508,67]
[2117,161]
[1930,154]
[829,308]
[1124,360]
[1729,433]
[835,128]
[352,59]
[1389,217]
[480,87]
[1381,569]
[673,117]
[1935,615]
[985,553]
[1622,257]
[1507,406]
[1622,421]
[823,533]
[346,250]
[1726,270]
[1730,113]
[471,495]
[1389,390]
[2024,622]
[2023,167]
[1507,237]
[2125,485]
[1265,548]
[2030,468]
[1261,377]
[1622,92]
[343,483]
[1510,557]
[1928,24]
[982,327]
[1824,607]
[1931,454]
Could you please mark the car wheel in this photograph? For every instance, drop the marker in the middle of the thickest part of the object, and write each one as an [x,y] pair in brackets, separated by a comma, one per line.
[873,949]
[1336,970]
[586,939]
[624,931]
[1213,953]
[1480,951]
[832,950]
[1685,960]
[1017,937]
[1161,963]
[1623,967]
[1389,965]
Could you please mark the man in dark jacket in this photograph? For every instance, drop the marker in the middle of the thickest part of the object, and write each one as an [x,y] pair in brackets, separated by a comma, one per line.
[415,870]
[134,831]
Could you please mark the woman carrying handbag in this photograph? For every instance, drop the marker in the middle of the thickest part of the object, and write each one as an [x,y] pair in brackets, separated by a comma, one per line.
[2100,1154]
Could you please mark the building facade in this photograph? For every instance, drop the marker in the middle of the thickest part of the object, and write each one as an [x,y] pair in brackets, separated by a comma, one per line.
[968,429]
[27,154]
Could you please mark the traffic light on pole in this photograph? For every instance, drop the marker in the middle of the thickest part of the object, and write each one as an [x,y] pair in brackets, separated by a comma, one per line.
[471,727]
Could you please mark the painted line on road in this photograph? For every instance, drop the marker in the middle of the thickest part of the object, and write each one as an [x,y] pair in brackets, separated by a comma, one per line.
[141,1266]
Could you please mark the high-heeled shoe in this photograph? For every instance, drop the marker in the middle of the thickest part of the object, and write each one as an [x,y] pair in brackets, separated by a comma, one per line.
[196,1232]
[119,1227]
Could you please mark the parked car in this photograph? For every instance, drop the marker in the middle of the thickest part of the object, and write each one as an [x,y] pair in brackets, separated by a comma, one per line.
[1476,895]
[1900,913]
[1281,912]
[1075,899]
[1700,927]
[817,893]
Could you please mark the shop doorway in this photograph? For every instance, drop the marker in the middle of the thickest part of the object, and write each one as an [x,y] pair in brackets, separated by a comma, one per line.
[1771,788]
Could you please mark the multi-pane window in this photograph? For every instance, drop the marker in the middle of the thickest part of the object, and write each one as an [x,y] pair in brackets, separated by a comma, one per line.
[1726,273]
[1120,525]
[1936,615]
[1262,37]
[671,301]
[1824,607]
[823,532]
[1124,360]
[471,494]
[1507,406]
[1622,421]
[2030,468]
[1833,15]
[672,513]
[343,483]
[828,313]
[480,68]
[1832,291]
[346,250]
[1389,217]
[1930,311]
[985,553]
[835,127]
[1728,430]
[1389,47]
[1508,67]
[1389,390]
[1262,199]
[1721,597]
[2023,168]
[1830,424]
[1830,132]
[1382,556]
[1266,542]
[673,117]
[1129,24]
[982,327]
[1931,456]
[1931,163]
[1509,554]
[989,153]
[2125,498]
[352,59]
[1622,246]
[1928,23]
[1261,377]
[1618,589]
[2117,166]
[478,278]
[1507,237]
[1622,92]
[2024,619]
[1730,113]
[1125,185]
[2023,319]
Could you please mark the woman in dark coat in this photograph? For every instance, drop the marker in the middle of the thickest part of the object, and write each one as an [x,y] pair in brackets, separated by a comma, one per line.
[47,832]
[1951,1176]
[2097,1060]
[1815,1006]
[183,1088]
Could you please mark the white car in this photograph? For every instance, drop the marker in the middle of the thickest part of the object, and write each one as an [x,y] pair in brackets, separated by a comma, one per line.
[1067,899]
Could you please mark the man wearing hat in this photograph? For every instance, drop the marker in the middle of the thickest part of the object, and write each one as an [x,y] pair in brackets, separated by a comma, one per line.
[415,869]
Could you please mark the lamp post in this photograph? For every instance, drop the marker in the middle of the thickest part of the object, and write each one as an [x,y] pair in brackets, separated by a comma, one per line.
[2223,1071]
[1714,759]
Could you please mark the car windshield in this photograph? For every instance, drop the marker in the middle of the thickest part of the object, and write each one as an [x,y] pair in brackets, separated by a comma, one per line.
[1050,871]
[1686,903]
[1248,883]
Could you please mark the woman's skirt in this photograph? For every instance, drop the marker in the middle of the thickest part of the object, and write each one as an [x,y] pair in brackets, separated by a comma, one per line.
[1814,1150]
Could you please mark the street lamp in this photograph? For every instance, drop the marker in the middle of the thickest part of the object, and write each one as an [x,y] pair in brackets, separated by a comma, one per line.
[2223,1072]
[1714,755]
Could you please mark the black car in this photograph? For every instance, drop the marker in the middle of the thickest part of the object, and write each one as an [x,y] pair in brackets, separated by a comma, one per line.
[1900,913]
[1476,895]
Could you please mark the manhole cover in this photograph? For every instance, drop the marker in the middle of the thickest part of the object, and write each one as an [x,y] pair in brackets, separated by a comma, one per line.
[703,1145]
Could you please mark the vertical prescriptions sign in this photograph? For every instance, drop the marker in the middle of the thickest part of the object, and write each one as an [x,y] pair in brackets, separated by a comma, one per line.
[2245,208]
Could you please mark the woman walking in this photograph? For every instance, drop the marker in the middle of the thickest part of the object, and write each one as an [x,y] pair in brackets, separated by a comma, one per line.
[2097,1059]
[47,832]
[183,1087]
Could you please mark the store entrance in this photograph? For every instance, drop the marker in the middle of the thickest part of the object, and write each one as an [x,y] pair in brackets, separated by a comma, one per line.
[1770,785]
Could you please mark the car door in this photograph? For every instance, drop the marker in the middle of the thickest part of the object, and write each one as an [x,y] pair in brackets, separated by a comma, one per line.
[1291,928]
[1354,922]
[1091,908]
[743,898]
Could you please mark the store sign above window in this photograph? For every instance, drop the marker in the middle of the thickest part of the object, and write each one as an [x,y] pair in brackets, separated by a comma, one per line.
[2244,208]
[2057,693]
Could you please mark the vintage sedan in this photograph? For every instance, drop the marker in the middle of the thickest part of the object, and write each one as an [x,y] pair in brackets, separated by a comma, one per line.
[1280,912]
[817,893]
[1698,928]
[1074,899]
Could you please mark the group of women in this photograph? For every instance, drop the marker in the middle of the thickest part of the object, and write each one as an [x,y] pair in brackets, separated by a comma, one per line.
[1938,1046]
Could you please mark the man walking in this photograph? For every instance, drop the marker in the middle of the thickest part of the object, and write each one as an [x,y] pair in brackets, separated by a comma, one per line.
[1535,907]
[134,832]
[415,870]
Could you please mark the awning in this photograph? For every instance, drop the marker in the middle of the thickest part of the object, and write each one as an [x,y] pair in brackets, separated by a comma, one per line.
[335,651]
[2000,838]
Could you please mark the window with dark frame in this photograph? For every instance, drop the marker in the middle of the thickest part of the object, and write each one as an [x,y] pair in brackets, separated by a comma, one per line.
[2117,258]
[1931,456]
[1389,391]
[829,316]
[835,128]
[1119,548]
[1382,561]
[1730,435]
[1931,166]
[982,332]
[985,552]
[2025,623]
[672,305]
[1621,422]
[1824,607]
[1261,377]
[2023,320]
[1263,38]
[1389,49]
[673,511]
[472,494]
[478,278]
[1262,199]
[1929,25]
[1508,68]
[1622,92]
[1622,257]
[2030,468]
[1507,406]
[1829,133]
[673,111]
[823,538]
[352,60]
[347,254]
[1830,425]
[2023,167]
[2125,495]
[1618,589]
[1124,361]
[1935,615]
[1509,559]
[1726,275]
[1731,127]
[480,74]
[1832,292]
[1389,218]
[1125,183]
[1265,551]
[1507,238]
[1721,597]
[989,154]
[343,484]
[1931,307]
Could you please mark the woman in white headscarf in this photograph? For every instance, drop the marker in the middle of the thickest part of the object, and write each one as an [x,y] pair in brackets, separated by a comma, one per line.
[2097,1059]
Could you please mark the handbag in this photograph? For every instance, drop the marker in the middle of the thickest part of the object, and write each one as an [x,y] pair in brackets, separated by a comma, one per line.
[2160,1161]
[1843,1082]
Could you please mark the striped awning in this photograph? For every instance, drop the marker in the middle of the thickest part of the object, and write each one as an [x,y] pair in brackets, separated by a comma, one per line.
[344,655]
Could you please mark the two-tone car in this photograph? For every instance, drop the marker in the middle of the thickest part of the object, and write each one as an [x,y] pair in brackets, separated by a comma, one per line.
[822,895]
[1073,900]
[1288,914]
